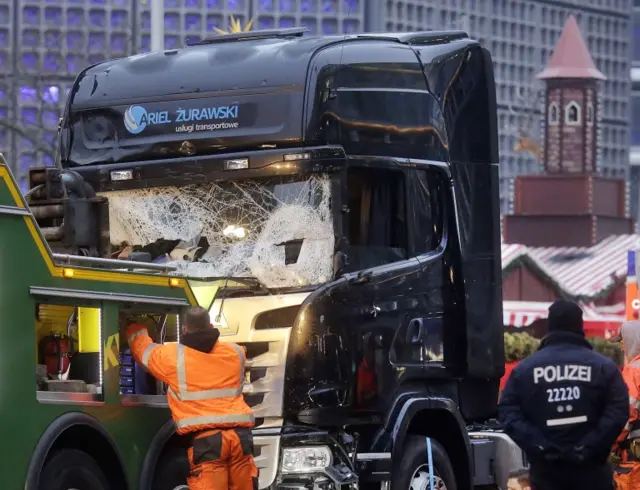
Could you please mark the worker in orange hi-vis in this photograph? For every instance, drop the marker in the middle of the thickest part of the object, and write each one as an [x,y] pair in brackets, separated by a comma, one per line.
[625,454]
[205,379]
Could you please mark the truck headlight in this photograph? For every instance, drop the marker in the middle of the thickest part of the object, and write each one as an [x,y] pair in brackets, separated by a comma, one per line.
[306,459]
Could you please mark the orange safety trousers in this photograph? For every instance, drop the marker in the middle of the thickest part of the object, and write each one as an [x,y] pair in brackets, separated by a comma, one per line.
[627,473]
[222,460]
[627,476]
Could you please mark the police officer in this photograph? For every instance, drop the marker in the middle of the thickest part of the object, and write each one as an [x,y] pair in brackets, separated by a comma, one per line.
[565,406]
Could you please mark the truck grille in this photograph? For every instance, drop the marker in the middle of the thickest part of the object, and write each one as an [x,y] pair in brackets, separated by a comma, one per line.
[265,336]
[266,347]
[264,376]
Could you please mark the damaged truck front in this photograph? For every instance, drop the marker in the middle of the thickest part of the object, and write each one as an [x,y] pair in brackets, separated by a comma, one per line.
[336,199]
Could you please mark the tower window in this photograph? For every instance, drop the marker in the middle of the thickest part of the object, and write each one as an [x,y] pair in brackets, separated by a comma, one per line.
[590,113]
[553,113]
[572,113]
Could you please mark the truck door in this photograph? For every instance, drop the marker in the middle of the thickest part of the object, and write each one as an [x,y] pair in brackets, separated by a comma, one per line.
[394,305]
[426,197]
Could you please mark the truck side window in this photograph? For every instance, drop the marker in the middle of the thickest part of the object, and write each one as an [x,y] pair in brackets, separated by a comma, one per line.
[135,381]
[69,353]
[425,213]
[377,221]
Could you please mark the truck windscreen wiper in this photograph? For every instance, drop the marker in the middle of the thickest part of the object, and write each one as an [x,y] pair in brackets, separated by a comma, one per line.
[253,282]
[247,281]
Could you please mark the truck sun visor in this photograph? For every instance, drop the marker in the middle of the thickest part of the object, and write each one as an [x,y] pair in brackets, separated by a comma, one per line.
[194,126]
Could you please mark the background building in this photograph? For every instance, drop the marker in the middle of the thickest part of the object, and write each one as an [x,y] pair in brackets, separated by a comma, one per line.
[634,155]
[570,203]
[44,43]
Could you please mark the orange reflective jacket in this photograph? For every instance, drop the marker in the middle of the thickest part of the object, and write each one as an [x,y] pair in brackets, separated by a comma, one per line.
[205,389]
[631,375]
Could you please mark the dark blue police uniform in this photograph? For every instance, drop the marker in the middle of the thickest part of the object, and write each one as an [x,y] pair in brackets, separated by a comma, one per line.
[564,406]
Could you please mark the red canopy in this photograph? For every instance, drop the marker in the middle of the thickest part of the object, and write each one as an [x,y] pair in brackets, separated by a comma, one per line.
[599,321]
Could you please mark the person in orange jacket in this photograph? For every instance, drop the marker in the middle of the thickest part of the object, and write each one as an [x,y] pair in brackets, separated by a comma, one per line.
[205,379]
[625,453]
[367,384]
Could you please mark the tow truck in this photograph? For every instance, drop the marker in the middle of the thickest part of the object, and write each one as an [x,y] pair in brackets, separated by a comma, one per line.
[64,421]
[333,200]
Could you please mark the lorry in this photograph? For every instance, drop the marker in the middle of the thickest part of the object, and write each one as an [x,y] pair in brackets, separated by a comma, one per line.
[333,201]
[68,426]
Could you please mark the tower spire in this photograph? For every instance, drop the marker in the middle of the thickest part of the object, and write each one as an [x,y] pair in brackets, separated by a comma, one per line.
[571,57]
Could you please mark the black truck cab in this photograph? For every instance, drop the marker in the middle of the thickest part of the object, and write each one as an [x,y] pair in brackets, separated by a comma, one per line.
[347,187]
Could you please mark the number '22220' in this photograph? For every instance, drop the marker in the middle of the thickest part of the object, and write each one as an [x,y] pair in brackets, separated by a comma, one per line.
[564,394]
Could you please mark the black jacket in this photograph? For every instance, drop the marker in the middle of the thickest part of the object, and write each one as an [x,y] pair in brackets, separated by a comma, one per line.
[565,403]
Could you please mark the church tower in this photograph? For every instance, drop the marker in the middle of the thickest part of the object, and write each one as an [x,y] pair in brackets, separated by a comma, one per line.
[571,108]
[569,204]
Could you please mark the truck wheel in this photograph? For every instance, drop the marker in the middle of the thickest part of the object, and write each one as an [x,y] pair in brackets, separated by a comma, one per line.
[412,471]
[72,468]
[172,470]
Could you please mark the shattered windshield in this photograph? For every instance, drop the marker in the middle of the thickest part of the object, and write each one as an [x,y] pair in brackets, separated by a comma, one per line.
[278,230]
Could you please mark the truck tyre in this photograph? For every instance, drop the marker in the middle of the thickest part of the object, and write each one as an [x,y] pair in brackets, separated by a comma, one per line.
[412,471]
[72,468]
[172,470]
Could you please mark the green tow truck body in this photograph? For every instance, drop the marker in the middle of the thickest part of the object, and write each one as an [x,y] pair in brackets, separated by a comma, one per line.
[36,424]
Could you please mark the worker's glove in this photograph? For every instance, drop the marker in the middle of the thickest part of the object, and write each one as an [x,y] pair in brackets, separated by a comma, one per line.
[615,458]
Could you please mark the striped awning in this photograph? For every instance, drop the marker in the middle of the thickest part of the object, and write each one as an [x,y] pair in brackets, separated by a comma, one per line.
[523,313]
[578,271]
[603,321]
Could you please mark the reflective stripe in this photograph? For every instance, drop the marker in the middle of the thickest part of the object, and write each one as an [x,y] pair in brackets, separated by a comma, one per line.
[634,402]
[181,370]
[206,394]
[240,352]
[183,393]
[147,353]
[567,421]
[634,434]
[635,364]
[135,334]
[214,419]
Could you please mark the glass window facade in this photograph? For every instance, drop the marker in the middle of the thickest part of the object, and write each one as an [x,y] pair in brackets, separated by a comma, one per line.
[636,35]
[45,43]
[635,119]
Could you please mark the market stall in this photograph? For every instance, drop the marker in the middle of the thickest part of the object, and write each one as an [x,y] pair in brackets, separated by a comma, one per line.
[599,321]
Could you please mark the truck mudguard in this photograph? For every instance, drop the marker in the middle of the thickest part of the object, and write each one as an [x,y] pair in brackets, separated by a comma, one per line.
[157,445]
[410,405]
[51,434]
[418,405]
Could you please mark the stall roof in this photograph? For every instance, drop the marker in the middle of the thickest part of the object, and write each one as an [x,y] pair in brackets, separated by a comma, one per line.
[583,273]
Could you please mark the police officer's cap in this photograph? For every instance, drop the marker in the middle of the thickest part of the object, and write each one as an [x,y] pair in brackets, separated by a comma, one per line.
[565,316]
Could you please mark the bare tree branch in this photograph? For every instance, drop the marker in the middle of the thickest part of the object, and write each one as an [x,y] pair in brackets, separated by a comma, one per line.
[47,101]
[35,139]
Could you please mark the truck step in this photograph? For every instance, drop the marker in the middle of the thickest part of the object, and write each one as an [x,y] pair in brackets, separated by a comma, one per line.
[374,467]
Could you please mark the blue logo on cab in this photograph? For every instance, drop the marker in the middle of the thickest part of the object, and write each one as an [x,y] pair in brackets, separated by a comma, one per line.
[136,118]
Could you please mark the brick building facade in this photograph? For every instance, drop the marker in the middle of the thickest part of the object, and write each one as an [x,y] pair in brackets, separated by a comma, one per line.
[570,204]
